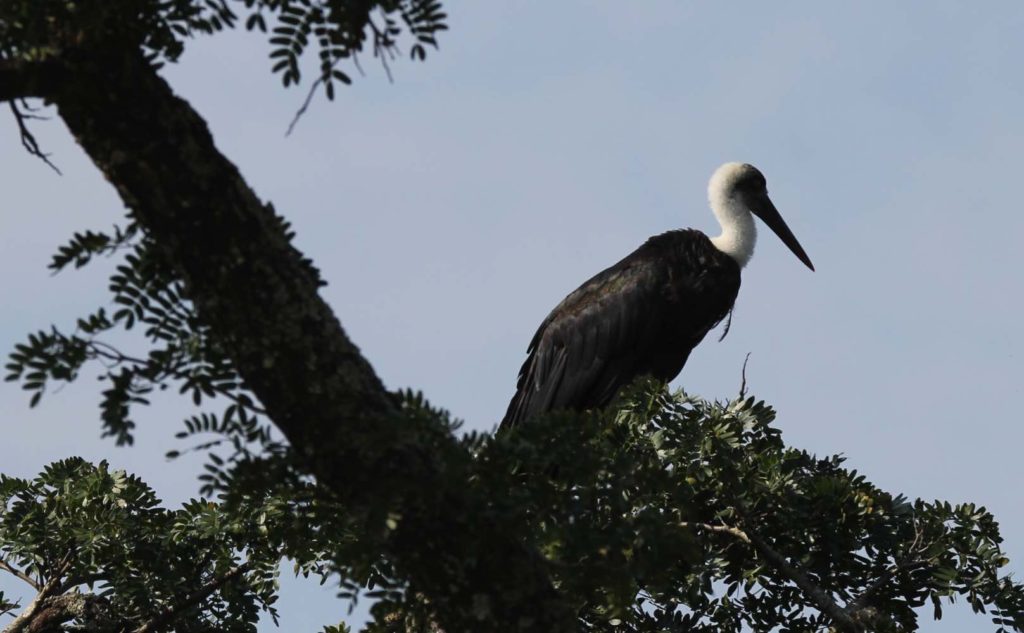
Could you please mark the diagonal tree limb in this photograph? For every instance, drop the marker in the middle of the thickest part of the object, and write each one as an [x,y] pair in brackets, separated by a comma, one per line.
[843,618]
[259,296]
[840,616]
[59,609]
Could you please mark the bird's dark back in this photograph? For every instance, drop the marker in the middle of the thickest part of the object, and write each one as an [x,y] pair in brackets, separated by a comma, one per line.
[642,315]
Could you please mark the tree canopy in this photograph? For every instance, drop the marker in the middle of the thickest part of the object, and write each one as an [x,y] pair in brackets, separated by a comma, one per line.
[665,513]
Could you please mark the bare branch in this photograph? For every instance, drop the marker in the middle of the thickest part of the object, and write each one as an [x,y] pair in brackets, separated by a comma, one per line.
[170,612]
[20,574]
[312,91]
[382,45]
[743,377]
[728,324]
[108,351]
[355,62]
[305,105]
[28,140]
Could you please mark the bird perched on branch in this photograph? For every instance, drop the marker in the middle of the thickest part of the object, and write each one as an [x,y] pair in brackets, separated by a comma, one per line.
[645,314]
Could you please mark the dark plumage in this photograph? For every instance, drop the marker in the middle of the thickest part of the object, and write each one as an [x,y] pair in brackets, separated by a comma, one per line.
[641,316]
[645,314]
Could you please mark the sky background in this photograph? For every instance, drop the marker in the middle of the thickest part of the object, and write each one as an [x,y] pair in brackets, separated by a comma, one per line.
[452,209]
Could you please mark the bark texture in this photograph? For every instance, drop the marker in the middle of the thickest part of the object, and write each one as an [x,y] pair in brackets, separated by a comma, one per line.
[260,297]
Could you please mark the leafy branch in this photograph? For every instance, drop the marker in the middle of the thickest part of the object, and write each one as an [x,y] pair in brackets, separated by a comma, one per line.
[169,613]
[154,567]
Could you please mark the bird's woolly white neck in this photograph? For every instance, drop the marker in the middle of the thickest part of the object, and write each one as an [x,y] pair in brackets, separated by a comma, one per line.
[739,234]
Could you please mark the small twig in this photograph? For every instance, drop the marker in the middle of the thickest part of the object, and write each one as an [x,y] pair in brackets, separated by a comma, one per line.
[305,105]
[170,612]
[312,91]
[743,377]
[63,567]
[20,574]
[112,353]
[381,46]
[28,140]
[728,324]
[116,356]
[8,608]
[384,63]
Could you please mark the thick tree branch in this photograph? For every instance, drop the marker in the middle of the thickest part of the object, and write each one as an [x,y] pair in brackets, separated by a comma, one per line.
[26,79]
[24,621]
[260,298]
[89,609]
[57,610]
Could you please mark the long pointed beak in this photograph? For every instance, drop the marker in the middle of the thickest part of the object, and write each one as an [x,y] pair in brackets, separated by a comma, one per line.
[764,209]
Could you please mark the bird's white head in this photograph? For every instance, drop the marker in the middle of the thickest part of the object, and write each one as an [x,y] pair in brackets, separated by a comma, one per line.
[737,192]
[731,179]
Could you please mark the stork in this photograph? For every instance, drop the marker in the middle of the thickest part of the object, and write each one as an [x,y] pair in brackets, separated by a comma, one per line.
[645,314]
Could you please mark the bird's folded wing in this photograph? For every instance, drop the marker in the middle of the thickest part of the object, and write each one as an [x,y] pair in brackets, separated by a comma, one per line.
[591,345]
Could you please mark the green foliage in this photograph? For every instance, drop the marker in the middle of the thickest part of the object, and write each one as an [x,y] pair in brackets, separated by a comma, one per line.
[84,246]
[663,517]
[660,516]
[36,29]
[338,30]
[341,31]
[6,606]
[670,514]
[146,295]
[99,535]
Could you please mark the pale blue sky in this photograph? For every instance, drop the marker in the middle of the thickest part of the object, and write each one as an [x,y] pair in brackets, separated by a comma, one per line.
[451,210]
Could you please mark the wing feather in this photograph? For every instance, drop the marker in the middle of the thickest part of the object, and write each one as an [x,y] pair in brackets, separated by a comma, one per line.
[641,316]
